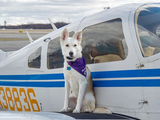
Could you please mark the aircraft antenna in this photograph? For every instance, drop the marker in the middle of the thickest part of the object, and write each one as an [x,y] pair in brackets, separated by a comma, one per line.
[30,38]
[53,26]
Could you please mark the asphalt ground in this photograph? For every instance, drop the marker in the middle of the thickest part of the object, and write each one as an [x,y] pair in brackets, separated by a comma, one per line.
[7,46]
[12,40]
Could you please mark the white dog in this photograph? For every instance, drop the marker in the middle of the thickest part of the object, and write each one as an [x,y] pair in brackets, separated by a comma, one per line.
[79,95]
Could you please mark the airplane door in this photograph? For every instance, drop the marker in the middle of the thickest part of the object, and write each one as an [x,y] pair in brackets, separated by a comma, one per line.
[111,57]
[54,64]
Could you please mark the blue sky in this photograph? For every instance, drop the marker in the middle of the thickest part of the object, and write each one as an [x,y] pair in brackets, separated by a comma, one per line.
[38,11]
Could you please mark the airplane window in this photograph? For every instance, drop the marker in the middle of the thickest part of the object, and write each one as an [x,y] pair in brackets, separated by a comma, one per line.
[54,53]
[147,22]
[104,42]
[34,60]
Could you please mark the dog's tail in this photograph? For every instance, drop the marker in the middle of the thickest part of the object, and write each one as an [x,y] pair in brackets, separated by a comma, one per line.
[102,110]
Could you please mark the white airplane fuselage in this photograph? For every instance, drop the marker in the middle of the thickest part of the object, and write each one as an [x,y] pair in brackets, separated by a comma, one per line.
[125,69]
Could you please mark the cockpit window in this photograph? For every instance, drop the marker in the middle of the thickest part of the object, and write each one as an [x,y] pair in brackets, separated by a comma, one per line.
[147,22]
[104,42]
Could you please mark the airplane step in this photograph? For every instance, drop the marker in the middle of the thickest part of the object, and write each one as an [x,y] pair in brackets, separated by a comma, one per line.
[97,116]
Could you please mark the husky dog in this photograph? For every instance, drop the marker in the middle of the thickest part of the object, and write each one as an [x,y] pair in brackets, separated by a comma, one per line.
[79,95]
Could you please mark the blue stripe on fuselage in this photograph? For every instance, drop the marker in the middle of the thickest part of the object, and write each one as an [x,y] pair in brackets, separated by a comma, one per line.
[95,75]
[98,83]
[33,77]
[33,84]
[127,73]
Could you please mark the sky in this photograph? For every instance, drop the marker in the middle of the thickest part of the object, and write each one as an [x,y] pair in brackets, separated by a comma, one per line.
[17,12]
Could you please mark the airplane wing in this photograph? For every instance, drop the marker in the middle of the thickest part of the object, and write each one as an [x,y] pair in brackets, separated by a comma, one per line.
[11,115]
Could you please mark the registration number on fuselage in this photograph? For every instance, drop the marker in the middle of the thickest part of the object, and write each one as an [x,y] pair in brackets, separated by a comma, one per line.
[18,99]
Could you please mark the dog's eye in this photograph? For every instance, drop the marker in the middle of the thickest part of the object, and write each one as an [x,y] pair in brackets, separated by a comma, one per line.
[75,45]
[67,45]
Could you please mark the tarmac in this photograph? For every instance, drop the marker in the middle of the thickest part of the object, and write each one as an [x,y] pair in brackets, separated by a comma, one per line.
[12,45]
[14,39]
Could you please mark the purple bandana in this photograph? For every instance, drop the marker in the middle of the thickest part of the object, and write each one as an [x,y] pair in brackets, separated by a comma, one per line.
[79,65]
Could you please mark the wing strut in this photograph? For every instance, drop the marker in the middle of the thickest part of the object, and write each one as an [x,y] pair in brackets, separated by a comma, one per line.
[53,26]
[30,38]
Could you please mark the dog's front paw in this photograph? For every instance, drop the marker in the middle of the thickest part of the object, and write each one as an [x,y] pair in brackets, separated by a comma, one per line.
[64,110]
[76,111]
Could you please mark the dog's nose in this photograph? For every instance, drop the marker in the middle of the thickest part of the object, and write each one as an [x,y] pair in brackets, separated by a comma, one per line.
[71,54]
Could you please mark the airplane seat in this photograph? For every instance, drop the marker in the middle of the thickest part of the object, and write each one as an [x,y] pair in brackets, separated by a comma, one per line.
[148,51]
[106,58]
[104,53]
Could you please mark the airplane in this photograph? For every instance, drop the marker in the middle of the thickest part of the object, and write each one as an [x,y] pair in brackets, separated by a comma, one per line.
[121,47]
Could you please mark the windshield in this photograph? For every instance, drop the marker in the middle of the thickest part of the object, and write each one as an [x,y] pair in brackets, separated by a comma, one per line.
[147,23]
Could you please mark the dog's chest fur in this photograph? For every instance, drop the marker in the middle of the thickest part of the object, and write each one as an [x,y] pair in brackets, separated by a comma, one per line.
[74,79]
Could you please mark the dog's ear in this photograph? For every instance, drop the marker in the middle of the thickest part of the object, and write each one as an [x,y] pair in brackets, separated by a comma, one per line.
[78,36]
[65,34]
